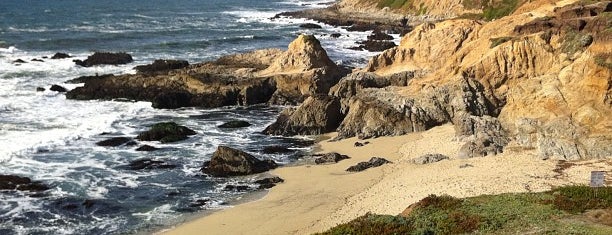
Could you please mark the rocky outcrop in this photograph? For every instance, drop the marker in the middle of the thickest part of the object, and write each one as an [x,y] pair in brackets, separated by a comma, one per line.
[227,161]
[262,76]
[269,182]
[105,58]
[160,66]
[484,135]
[318,114]
[146,148]
[429,158]
[166,132]
[373,162]
[58,88]
[13,182]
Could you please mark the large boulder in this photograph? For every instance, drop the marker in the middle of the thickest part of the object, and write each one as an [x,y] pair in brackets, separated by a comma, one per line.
[13,182]
[114,142]
[227,161]
[318,114]
[166,132]
[483,135]
[329,158]
[102,58]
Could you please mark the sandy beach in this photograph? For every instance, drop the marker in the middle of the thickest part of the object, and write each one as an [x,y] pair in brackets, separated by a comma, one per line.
[317,197]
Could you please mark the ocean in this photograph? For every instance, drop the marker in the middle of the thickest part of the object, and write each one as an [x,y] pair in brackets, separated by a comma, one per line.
[50,139]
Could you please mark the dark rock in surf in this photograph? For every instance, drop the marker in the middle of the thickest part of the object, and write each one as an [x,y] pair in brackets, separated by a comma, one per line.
[40,89]
[166,132]
[105,58]
[58,88]
[378,35]
[84,79]
[235,124]
[13,182]
[60,55]
[149,164]
[146,148]
[37,60]
[269,182]
[227,161]
[114,142]
[276,149]
[19,61]
[310,26]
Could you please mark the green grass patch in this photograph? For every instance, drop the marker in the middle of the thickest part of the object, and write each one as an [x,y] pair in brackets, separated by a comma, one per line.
[604,60]
[552,212]
[493,9]
[498,41]
[574,41]
[394,4]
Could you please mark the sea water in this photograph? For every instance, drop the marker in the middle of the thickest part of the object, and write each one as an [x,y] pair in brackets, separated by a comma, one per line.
[50,139]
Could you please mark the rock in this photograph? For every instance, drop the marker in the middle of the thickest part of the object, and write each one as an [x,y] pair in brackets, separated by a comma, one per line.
[318,114]
[310,26]
[166,132]
[147,148]
[235,124]
[40,89]
[58,88]
[227,161]
[329,158]
[239,188]
[465,165]
[105,58]
[373,162]
[60,55]
[114,142]
[378,35]
[429,158]
[269,182]
[149,164]
[19,61]
[485,135]
[172,100]
[161,66]
[276,149]
[84,79]
[200,202]
[375,46]
[335,35]
[12,182]
[37,60]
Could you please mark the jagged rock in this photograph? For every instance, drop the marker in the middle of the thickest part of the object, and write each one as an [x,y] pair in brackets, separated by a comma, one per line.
[37,60]
[100,58]
[172,100]
[12,182]
[166,132]
[373,162]
[235,124]
[276,149]
[114,142]
[318,114]
[227,161]
[239,188]
[374,45]
[335,35]
[328,158]
[19,61]
[485,135]
[378,35]
[149,164]
[429,158]
[310,26]
[161,66]
[84,79]
[60,55]
[146,148]
[269,182]
[40,89]
[58,88]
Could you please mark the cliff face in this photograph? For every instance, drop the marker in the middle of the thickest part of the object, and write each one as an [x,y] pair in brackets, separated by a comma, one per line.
[540,78]
[546,72]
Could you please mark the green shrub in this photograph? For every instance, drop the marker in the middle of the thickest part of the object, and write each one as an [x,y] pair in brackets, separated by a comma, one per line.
[604,60]
[577,199]
[498,41]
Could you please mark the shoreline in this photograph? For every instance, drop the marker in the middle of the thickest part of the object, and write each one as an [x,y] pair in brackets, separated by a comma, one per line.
[317,197]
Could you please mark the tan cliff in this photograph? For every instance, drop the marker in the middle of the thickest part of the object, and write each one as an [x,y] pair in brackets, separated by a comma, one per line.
[558,76]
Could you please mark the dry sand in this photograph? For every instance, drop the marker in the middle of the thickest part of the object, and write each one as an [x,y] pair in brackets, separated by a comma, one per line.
[315,198]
